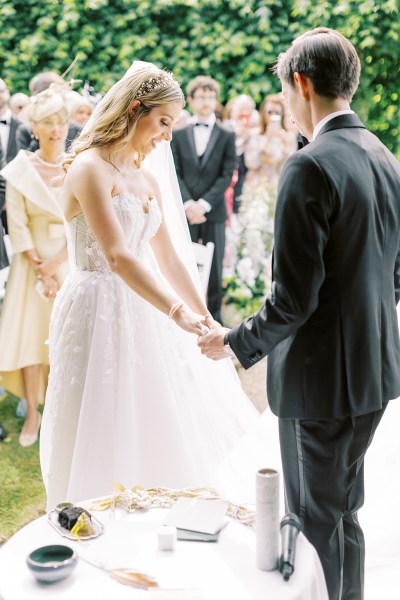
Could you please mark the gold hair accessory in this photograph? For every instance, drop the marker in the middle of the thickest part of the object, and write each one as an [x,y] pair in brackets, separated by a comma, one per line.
[155,83]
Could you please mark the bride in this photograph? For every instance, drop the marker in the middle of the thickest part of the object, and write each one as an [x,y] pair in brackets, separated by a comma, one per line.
[130,398]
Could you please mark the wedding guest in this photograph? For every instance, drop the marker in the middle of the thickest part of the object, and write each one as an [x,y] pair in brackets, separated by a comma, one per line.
[39,263]
[267,151]
[205,158]
[250,240]
[8,146]
[3,252]
[26,139]
[329,325]
[81,109]
[18,101]
[240,113]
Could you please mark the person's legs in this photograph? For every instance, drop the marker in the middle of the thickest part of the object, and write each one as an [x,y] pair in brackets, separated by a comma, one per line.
[354,545]
[215,232]
[314,469]
[31,377]
[322,464]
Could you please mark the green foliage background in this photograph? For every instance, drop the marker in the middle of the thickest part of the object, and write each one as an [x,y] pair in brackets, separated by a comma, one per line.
[236,41]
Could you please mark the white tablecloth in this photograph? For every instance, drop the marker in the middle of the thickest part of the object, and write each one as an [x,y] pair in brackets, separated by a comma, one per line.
[223,570]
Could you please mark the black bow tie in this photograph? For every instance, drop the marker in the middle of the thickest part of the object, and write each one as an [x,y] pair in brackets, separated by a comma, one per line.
[201,124]
[3,122]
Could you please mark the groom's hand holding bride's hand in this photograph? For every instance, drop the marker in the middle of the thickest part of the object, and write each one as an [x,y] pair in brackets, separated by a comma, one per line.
[212,343]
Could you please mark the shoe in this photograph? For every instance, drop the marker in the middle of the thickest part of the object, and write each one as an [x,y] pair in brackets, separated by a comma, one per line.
[3,433]
[21,409]
[28,439]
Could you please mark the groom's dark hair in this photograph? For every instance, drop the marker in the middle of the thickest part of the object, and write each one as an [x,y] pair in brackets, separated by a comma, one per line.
[327,58]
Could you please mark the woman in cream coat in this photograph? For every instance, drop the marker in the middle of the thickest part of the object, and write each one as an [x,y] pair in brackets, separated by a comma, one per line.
[39,263]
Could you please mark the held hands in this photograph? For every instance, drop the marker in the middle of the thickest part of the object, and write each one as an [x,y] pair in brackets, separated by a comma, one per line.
[187,319]
[212,343]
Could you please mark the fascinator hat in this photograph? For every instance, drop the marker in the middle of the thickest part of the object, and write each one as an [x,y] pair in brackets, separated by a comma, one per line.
[55,99]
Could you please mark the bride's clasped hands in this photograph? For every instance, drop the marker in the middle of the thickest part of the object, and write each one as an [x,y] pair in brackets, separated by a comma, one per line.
[187,319]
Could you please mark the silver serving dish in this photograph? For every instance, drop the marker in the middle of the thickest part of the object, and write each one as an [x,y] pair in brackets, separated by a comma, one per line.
[53,520]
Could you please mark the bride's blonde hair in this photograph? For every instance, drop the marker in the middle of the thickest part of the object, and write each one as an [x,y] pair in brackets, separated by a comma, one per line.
[111,123]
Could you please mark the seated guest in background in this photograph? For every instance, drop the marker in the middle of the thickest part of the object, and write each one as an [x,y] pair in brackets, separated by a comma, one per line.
[205,158]
[39,263]
[18,101]
[25,138]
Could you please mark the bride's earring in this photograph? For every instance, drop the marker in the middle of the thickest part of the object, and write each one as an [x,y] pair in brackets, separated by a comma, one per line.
[136,160]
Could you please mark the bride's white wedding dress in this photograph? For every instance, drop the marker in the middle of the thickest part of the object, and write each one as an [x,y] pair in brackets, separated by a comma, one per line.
[130,397]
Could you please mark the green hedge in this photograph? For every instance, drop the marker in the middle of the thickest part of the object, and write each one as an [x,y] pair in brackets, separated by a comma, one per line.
[236,41]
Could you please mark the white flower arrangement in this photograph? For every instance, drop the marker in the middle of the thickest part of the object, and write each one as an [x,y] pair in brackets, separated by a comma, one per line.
[247,282]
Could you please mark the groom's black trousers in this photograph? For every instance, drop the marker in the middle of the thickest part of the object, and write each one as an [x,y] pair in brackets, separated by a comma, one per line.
[323,468]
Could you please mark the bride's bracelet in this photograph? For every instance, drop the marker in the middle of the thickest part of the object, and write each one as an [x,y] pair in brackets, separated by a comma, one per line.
[174,308]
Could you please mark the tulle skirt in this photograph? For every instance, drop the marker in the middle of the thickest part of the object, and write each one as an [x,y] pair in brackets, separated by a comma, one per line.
[132,400]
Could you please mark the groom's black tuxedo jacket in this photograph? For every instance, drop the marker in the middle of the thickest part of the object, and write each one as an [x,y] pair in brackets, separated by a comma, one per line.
[209,176]
[330,325]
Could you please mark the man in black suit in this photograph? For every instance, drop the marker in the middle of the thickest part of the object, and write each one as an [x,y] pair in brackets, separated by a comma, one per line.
[330,325]
[204,154]
[8,145]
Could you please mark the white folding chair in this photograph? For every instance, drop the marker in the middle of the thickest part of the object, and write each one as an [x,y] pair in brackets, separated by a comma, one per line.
[204,256]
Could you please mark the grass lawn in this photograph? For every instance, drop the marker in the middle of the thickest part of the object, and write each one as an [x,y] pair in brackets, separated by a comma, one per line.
[22,494]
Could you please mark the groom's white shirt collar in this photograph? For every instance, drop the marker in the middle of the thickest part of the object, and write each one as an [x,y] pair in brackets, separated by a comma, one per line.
[328,118]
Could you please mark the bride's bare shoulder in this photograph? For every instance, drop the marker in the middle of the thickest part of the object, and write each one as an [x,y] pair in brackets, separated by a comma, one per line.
[88,163]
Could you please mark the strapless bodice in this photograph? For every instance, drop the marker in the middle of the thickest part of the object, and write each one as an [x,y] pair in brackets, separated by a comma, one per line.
[138,227]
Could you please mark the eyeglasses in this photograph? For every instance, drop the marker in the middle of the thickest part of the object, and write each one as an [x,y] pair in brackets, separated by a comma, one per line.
[271,111]
[202,97]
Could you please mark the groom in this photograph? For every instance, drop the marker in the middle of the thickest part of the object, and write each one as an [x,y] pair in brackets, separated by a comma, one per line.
[330,325]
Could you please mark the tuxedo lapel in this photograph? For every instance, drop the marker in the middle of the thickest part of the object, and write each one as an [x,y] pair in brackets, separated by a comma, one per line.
[215,133]
[192,145]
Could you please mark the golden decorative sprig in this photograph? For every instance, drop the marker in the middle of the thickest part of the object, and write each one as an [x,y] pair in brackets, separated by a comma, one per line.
[161,497]
[130,577]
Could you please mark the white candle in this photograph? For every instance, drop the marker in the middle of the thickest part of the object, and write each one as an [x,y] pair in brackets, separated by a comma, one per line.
[267,519]
[167,537]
